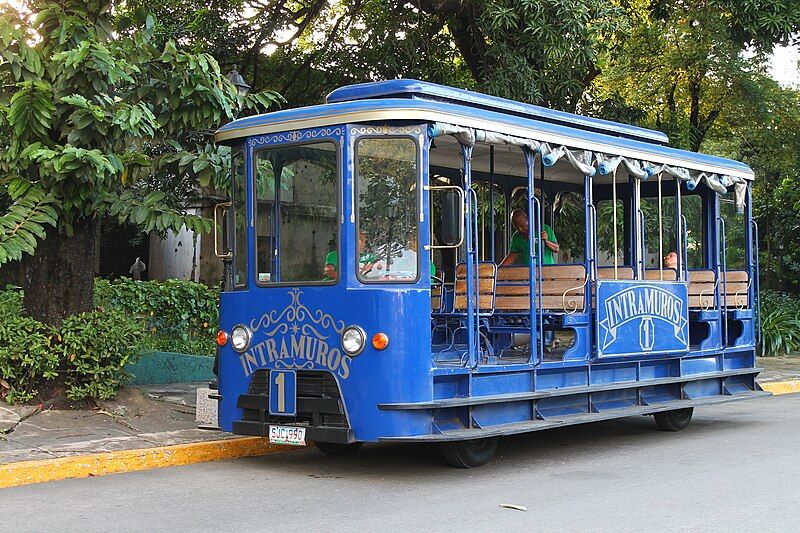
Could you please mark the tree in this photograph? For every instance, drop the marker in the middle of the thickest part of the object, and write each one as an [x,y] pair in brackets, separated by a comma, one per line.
[544,52]
[91,113]
[686,61]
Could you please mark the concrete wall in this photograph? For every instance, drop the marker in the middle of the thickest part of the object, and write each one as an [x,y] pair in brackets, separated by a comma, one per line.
[176,256]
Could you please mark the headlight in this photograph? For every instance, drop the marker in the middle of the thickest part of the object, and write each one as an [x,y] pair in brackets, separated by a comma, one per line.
[240,338]
[353,339]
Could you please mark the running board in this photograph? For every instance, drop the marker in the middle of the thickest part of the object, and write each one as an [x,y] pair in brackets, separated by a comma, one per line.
[539,425]
[566,391]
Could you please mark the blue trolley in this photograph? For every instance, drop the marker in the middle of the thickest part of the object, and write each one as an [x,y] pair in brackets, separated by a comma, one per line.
[417,263]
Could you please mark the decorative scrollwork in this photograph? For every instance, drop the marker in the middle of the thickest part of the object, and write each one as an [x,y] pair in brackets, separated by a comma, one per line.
[742,297]
[386,130]
[296,312]
[280,363]
[297,136]
[703,300]
[573,304]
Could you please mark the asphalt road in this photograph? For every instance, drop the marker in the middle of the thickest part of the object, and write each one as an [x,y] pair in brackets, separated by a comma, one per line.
[737,467]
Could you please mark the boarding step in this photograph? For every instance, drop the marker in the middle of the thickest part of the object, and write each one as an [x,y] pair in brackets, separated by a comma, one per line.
[549,423]
[566,391]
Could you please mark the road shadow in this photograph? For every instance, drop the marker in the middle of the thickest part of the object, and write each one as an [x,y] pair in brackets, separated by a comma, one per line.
[544,449]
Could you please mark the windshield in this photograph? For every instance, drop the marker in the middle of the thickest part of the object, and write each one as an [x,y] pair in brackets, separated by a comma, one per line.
[296,189]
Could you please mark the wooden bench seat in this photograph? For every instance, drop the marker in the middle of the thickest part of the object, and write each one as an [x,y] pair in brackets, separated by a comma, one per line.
[485,281]
[437,293]
[701,289]
[607,273]
[654,274]
[513,289]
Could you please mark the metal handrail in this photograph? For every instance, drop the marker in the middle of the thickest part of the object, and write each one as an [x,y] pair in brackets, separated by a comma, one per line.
[724,261]
[593,209]
[540,261]
[685,245]
[642,246]
[757,283]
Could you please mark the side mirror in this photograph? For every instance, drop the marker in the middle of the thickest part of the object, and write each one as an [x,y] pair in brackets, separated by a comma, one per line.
[451,220]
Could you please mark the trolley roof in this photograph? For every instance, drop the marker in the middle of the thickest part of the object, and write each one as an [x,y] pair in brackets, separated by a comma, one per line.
[422,90]
[401,100]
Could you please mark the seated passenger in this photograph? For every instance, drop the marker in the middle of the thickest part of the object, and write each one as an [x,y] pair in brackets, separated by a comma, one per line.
[671,260]
[366,261]
[368,264]
[331,272]
[518,250]
[405,266]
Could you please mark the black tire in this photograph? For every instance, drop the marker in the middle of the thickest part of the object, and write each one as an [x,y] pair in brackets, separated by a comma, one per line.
[336,449]
[674,420]
[469,453]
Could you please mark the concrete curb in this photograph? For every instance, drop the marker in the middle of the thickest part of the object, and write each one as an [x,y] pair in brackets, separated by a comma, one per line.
[781,387]
[99,464]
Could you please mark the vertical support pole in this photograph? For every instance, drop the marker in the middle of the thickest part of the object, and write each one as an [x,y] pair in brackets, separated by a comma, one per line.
[614,217]
[679,229]
[491,200]
[723,260]
[660,233]
[534,228]
[470,260]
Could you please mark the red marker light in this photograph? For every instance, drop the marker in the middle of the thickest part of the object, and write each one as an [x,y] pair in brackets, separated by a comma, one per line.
[380,341]
[222,338]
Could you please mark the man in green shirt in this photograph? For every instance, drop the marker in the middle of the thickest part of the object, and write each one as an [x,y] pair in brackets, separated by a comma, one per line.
[518,254]
[518,249]
[366,260]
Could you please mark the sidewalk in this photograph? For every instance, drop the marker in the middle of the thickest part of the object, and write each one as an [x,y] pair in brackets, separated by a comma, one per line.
[154,426]
[138,418]
[142,428]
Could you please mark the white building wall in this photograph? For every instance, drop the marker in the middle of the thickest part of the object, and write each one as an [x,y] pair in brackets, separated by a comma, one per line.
[174,256]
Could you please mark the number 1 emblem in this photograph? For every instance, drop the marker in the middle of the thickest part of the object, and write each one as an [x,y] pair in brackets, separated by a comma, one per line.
[283,392]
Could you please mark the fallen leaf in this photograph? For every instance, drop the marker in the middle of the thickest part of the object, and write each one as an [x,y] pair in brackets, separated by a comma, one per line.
[513,506]
[4,384]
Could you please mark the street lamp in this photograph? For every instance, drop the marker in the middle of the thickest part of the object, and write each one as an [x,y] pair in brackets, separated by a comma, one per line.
[238,81]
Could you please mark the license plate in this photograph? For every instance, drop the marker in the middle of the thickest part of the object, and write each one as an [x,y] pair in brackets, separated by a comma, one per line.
[294,436]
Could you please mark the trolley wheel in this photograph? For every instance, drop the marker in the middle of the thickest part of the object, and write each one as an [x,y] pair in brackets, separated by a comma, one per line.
[469,453]
[335,448]
[675,420]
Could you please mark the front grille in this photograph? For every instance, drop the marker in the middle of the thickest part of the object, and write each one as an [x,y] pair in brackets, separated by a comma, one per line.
[319,402]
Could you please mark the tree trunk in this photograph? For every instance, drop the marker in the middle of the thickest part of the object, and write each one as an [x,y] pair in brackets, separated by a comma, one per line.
[59,278]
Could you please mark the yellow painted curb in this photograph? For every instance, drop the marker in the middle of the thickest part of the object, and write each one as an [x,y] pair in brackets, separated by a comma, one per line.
[781,387]
[99,464]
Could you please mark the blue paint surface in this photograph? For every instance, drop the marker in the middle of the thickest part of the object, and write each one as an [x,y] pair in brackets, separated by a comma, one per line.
[466,115]
[640,317]
[433,91]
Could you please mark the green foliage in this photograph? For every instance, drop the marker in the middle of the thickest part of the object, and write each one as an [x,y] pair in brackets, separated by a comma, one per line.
[780,323]
[90,350]
[10,301]
[96,119]
[95,347]
[27,353]
[179,316]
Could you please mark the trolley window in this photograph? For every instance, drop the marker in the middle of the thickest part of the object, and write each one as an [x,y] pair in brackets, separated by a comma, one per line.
[660,232]
[605,233]
[296,214]
[734,234]
[387,174]
[692,209]
[239,200]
